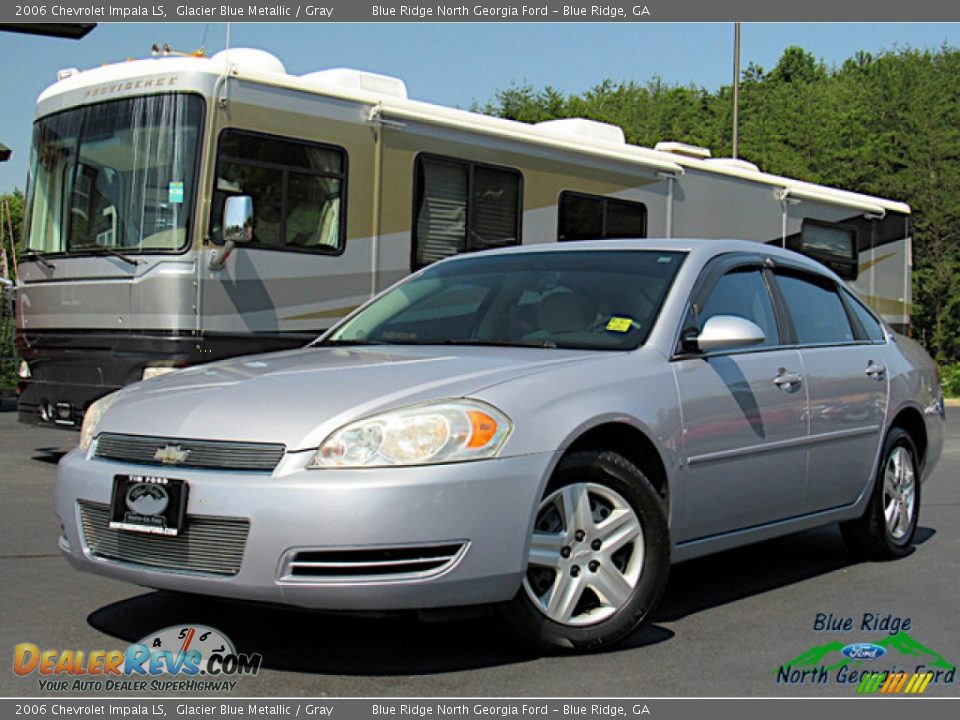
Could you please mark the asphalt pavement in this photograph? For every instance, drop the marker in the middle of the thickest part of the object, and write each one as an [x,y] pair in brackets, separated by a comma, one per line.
[726,625]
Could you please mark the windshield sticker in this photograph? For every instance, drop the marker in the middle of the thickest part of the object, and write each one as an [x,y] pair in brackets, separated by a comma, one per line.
[663,259]
[620,324]
[175,192]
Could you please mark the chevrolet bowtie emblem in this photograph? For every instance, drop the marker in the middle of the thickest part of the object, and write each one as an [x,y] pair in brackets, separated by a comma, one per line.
[171,454]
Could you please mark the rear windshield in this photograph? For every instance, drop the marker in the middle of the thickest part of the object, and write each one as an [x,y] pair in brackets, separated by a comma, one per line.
[593,299]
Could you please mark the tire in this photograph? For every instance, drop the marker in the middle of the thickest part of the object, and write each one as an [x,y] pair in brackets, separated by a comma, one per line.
[596,570]
[896,490]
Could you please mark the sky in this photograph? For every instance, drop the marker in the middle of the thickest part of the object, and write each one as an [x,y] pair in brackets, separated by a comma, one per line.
[452,64]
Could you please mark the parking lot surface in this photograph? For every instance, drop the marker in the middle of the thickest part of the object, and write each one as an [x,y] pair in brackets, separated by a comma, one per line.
[724,628]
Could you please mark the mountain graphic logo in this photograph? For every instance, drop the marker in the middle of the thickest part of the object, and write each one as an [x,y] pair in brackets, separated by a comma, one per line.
[898,649]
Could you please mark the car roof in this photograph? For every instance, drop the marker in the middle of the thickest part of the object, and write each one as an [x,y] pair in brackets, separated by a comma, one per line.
[700,249]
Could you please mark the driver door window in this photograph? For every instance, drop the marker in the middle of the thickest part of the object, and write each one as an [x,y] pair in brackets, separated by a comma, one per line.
[742,292]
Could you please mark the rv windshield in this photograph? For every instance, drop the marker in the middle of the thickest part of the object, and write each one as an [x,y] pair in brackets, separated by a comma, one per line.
[114,176]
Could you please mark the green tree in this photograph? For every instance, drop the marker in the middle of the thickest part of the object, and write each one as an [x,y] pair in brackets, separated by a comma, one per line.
[14,203]
[884,124]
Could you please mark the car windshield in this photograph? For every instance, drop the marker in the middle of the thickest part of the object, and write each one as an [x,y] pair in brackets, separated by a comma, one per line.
[116,176]
[585,299]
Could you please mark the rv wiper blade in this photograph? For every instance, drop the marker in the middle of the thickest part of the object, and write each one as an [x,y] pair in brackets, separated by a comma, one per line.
[101,250]
[34,255]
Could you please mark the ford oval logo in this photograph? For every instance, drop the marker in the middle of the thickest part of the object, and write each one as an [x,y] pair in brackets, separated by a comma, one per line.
[147,499]
[864,651]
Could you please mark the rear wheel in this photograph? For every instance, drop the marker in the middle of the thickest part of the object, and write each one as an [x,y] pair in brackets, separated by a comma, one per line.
[887,527]
[599,555]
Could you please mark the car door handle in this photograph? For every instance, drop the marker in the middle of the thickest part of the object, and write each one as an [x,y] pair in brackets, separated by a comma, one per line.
[875,370]
[786,380]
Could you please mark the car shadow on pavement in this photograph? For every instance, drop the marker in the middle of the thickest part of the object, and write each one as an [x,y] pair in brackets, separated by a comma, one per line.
[314,642]
[726,577]
[51,455]
[403,644]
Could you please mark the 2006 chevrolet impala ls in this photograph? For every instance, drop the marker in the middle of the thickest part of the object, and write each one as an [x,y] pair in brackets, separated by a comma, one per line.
[545,427]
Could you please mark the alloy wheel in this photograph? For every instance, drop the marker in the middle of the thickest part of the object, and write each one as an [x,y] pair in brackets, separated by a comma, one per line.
[586,554]
[899,492]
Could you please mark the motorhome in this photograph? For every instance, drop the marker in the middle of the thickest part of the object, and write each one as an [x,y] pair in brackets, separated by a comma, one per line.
[348,186]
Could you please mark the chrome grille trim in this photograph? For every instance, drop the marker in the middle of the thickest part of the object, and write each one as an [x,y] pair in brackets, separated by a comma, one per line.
[140,449]
[208,545]
[397,563]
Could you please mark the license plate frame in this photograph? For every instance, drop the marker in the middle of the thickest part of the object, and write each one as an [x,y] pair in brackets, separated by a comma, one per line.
[149,504]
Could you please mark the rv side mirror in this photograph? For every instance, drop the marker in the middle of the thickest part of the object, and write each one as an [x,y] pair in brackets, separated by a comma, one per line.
[725,332]
[237,228]
[238,219]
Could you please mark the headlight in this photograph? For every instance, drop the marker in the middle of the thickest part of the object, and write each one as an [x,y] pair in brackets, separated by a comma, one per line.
[452,431]
[91,418]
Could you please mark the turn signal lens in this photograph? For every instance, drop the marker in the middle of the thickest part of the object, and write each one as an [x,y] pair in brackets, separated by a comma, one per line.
[482,429]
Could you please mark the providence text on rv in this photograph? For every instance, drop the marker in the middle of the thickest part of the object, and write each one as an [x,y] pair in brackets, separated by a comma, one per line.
[342,186]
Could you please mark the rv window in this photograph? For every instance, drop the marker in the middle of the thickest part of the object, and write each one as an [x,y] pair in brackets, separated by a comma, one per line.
[119,174]
[463,206]
[594,217]
[833,245]
[297,190]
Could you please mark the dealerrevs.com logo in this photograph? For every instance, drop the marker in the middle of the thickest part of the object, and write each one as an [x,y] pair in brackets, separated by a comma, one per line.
[181,658]
[891,664]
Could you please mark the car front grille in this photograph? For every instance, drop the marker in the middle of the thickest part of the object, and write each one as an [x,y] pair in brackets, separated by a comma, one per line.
[211,545]
[145,450]
[372,564]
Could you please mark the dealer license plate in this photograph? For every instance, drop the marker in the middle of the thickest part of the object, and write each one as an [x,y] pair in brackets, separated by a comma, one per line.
[148,504]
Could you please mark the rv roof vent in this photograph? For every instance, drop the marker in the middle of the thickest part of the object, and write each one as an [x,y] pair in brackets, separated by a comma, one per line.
[679,148]
[250,59]
[583,129]
[735,163]
[348,79]
[65,73]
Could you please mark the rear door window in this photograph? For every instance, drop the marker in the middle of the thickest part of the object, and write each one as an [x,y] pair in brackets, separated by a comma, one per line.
[818,313]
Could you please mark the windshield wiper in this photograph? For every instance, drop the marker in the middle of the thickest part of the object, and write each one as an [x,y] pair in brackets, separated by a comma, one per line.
[103,250]
[345,343]
[34,255]
[494,343]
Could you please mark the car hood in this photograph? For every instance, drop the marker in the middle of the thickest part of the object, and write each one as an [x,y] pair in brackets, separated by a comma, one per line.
[300,396]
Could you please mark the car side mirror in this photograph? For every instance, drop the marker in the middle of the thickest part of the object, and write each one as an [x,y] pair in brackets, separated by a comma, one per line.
[723,332]
[237,227]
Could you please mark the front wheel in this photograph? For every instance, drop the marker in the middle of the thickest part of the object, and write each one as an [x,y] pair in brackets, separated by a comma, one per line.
[887,527]
[599,555]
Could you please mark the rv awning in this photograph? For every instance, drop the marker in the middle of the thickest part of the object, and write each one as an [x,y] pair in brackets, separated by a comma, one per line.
[72,31]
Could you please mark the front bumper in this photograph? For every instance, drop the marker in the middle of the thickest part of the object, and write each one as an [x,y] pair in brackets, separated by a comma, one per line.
[486,506]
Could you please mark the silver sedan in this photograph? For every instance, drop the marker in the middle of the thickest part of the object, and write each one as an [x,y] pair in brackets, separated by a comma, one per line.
[542,429]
